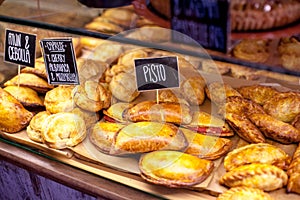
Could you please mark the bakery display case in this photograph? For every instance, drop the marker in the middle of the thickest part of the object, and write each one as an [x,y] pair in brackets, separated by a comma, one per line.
[149,116]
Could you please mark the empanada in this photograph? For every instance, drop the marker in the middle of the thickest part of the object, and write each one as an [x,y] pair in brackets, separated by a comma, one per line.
[90,118]
[244,193]
[30,80]
[275,129]
[208,124]
[13,116]
[25,95]
[192,89]
[116,111]
[204,146]
[174,168]
[103,25]
[39,68]
[63,130]
[34,129]
[257,153]
[262,176]
[258,93]
[162,112]
[103,133]
[244,128]
[294,173]
[143,137]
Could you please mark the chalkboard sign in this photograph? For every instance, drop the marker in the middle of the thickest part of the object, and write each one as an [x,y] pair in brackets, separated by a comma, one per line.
[19,48]
[205,21]
[60,61]
[156,73]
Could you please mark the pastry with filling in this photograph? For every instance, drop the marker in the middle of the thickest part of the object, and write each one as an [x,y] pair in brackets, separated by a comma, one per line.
[90,118]
[259,94]
[294,173]
[289,50]
[162,112]
[103,25]
[115,113]
[25,95]
[192,89]
[204,146]
[244,193]
[174,169]
[39,68]
[256,175]
[141,137]
[30,80]
[257,153]
[13,116]
[63,130]
[34,129]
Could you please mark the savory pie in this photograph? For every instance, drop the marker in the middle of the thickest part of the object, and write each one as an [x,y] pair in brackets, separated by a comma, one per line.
[244,193]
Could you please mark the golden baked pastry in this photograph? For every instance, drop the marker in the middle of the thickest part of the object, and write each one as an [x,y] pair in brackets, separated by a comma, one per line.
[204,146]
[244,193]
[123,87]
[217,92]
[171,96]
[143,137]
[116,111]
[289,50]
[296,122]
[91,96]
[257,153]
[294,173]
[162,112]
[150,33]
[256,175]
[63,130]
[174,169]
[103,133]
[275,129]
[254,50]
[103,25]
[90,118]
[244,128]
[34,129]
[91,43]
[192,89]
[208,124]
[89,69]
[107,52]
[128,57]
[30,80]
[59,99]
[285,106]
[261,15]
[259,94]
[39,68]
[124,16]
[25,95]
[13,116]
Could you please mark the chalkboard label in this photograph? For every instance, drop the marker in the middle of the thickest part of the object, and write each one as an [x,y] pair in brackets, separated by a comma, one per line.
[19,48]
[205,21]
[156,73]
[60,61]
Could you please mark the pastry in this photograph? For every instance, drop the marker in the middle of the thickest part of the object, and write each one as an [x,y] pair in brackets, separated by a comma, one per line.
[39,68]
[103,133]
[124,16]
[25,95]
[275,129]
[296,122]
[91,43]
[90,70]
[285,106]
[259,94]
[245,128]
[90,118]
[143,137]
[30,80]
[294,173]
[13,116]
[289,50]
[257,153]
[244,193]
[174,169]
[262,176]
[192,89]
[91,96]
[115,113]
[34,129]
[254,50]
[103,25]
[63,130]
[59,99]
[171,96]
[204,146]
[162,112]
[107,52]
[208,124]
[123,87]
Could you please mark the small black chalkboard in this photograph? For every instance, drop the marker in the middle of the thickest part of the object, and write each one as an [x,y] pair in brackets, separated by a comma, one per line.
[205,21]
[19,48]
[156,73]
[60,61]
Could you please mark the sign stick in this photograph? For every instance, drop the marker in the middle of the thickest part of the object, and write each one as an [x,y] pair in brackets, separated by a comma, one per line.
[157,98]
[19,71]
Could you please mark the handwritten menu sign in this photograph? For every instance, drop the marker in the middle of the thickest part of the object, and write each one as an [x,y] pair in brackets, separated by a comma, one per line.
[205,21]
[156,73]
[60,61]
[19,48]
